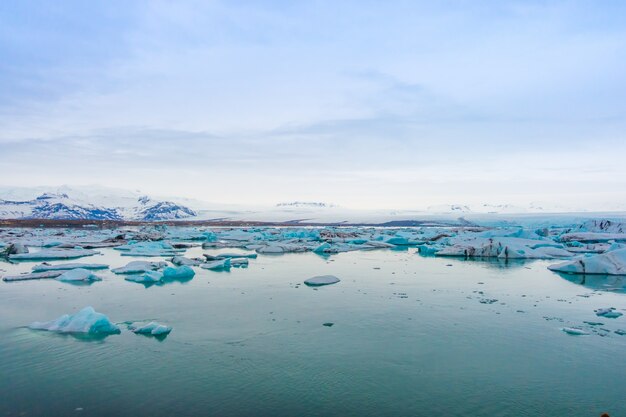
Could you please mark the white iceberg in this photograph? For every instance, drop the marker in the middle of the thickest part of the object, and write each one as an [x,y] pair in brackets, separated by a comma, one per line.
[149,277]
[78,275]
[137,267]
[217,265]
[63,267]
[181,260]
[51,254]
[34,275]
[86,321]
[609,263]
[322,280]
[574,331]
[153,328]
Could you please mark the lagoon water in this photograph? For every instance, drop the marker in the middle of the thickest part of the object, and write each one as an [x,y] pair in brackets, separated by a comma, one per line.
[410,337]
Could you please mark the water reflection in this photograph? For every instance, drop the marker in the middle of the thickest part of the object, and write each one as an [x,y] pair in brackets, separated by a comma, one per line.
[612,283]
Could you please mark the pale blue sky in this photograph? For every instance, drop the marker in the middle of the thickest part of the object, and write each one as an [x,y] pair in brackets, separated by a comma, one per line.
[365,104]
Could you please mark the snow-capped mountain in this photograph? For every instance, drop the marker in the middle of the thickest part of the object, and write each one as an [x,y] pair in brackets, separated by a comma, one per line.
[305,204]
[74,205]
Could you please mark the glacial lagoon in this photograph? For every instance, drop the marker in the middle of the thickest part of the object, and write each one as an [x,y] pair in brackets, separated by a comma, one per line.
[400,334]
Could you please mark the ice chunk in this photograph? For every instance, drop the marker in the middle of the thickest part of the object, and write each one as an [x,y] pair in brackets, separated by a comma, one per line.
[79,274]
[236,255]
[61,267]
[137,267]
[608,312]
[34,275]
[149,277]
[153,328]
[322,280]
[86,320]
[239,262]
[216,265]
[180,273]
[50,254]
[574,331]
[610,263]
[321,248]
[13,249]
[181,260]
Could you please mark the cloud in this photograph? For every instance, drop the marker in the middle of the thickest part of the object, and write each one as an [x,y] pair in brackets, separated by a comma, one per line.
[361,103]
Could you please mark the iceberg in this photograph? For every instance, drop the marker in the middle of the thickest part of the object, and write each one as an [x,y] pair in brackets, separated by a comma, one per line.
[574,331]
[77,275]
[153,328]
[239,262]
[63,267]
[321,280]
[178,273]
[612,262]
[34,275]
[137,267]
[51,254]
[86,321]
[608,312]
[235,255]
[181,260]
[216,265]
[13,249]
[149,277]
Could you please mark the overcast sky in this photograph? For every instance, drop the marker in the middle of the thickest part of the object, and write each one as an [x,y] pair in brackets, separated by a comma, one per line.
[364,104]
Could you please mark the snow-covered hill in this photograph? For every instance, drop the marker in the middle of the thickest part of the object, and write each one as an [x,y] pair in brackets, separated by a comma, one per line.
[71,204]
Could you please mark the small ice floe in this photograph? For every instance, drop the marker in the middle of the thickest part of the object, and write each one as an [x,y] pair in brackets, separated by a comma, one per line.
[86,321]
[78,275]
[63,267]
[31,276]
[608,312]
[13,249]
[149,277]
[620,332]
[217,265]
[322,280]
[137,267]
[236,255]
[153,328]
[51,254]
[574,331]
[239,262]
[183,272]
[181,260]
[148,249]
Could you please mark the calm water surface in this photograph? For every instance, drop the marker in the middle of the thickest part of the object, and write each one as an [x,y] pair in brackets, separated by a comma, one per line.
[409,339]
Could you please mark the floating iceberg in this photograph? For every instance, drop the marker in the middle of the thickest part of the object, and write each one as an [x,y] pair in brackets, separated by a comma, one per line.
[178,273]
[610,263]
[574,331]
[77,275]
[149,277]
[608,312]
[216,265]
[34,275]
[137,267]
[51,254]
[86,320]
[236,255]
[322,280]
[181,260]
[62,267]
[153,328]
